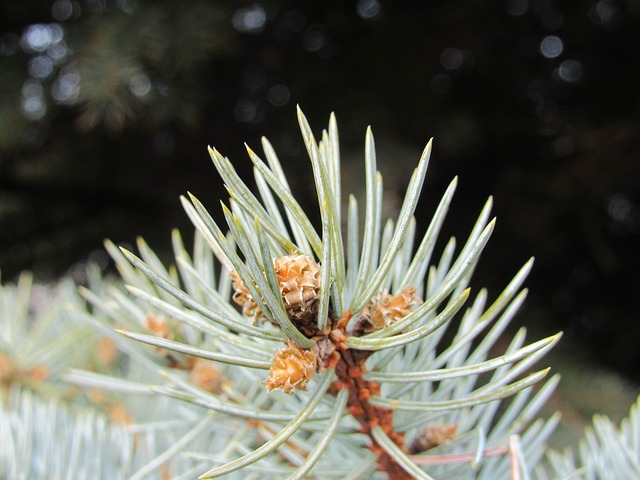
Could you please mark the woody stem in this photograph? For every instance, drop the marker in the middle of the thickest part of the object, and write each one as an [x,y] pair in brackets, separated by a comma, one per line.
[349,368]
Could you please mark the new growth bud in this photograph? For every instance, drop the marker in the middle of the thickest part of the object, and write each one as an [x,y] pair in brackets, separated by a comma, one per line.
[292,367]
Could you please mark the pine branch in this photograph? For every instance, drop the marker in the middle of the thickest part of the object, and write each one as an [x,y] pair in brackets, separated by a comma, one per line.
[351,330]
[285,299]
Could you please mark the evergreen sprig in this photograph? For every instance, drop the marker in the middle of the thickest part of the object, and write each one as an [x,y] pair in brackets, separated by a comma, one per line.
[606,451]
[272,350]
[362,317]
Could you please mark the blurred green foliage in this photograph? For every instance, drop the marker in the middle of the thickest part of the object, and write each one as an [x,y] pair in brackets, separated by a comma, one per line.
[115,64]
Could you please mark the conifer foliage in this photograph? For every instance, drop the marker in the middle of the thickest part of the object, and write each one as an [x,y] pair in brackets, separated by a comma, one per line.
[274,349]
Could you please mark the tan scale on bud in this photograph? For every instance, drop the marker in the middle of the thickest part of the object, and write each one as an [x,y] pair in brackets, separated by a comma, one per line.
[298,279]
[106,351]
[158,325]
[207,376]
[244,299]
[291,368]
[385,309]
[6,369]
[432,437]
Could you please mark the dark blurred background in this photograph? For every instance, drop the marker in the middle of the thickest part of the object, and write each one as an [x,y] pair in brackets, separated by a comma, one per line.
[106,109]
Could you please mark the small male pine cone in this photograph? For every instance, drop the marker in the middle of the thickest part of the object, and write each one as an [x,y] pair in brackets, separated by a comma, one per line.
[432,437]
[298,279]
[158,325]
[292,367]
[207,376]
[243,298]
[385,309]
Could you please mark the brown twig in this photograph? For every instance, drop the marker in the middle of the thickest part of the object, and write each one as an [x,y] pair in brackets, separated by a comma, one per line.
[349,368]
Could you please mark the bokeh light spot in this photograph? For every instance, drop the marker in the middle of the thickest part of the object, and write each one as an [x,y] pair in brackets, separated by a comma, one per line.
[62,10]
[245,110]
[40,66]
[451,58]
[313,39]
[58,52]
[37,37]
[570,71]
[66,87]
[127,6]
[33,108]
[548,110]
[140,85]
[619,208]
[33,104]
[278,95]
[551,46]
[57,32]
[515,8]
[32,88]
[368,9]
[249,20]
[605,13]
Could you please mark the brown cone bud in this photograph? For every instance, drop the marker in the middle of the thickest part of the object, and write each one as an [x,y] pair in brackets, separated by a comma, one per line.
[158,325]
[207,376]
[298,279]
[243,298]
[385,309]
[292,367]
[432,437]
